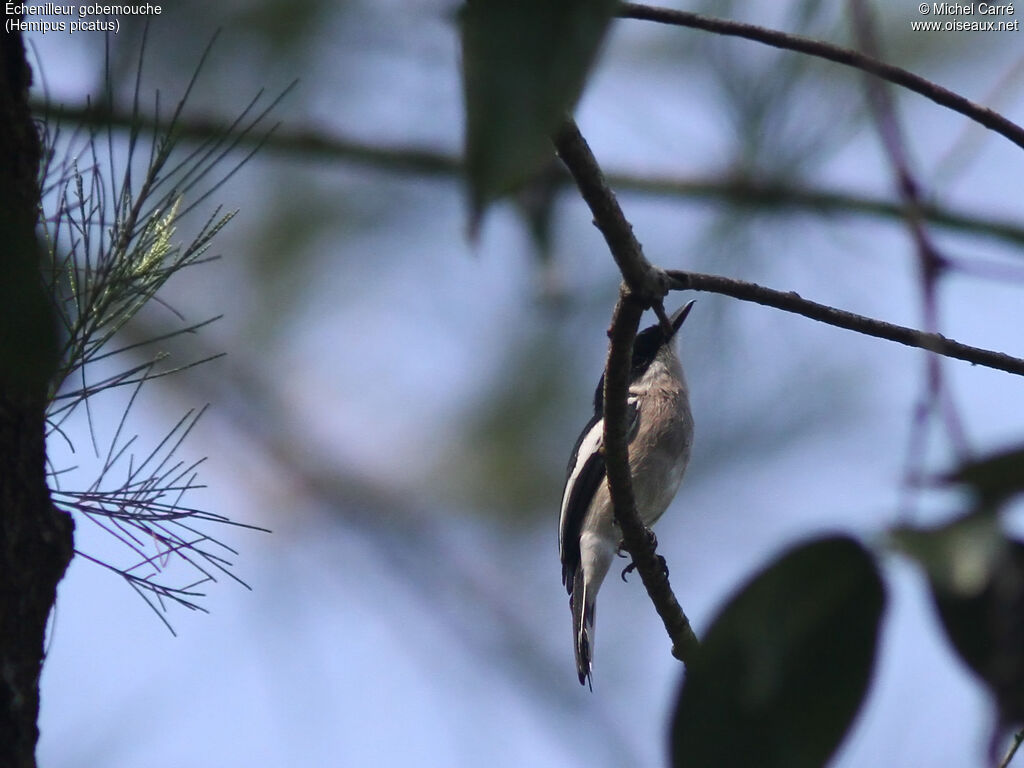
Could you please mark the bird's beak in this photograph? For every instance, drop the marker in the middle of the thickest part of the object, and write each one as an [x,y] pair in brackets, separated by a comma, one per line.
[679,315]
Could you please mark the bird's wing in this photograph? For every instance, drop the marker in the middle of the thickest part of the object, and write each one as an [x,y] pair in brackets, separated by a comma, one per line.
[585,472]
[584,476]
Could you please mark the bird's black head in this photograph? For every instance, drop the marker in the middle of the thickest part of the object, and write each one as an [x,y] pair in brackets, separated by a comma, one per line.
[645,348]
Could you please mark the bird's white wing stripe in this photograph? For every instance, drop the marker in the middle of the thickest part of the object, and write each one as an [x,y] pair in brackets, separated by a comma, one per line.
[590,445]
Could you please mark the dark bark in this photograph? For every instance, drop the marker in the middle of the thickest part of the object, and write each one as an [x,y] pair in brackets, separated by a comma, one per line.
[35,538]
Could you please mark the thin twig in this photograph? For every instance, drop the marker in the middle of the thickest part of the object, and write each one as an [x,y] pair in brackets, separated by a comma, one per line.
[897,75]
[790,301]
[1017,739]
[765,194]
[643,285]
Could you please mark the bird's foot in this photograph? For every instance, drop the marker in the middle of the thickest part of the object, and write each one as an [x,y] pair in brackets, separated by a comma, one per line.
[654,545]
[651,538]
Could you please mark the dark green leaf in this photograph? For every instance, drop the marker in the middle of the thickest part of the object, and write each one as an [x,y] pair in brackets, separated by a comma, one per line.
[524,64]
[785,665]
[986,627]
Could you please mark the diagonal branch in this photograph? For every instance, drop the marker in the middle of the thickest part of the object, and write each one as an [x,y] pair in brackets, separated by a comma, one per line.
[643,285]
[897,75]
[790,301]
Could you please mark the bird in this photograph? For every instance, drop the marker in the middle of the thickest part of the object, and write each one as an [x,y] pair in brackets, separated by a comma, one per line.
[660,436]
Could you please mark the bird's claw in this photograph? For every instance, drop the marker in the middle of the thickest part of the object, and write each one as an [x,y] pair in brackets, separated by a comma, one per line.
[651,538]
[654,545]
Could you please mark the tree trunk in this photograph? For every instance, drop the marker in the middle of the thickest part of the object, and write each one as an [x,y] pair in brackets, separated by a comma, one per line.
[35,537]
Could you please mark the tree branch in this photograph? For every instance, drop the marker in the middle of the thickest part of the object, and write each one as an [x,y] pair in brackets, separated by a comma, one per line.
[902,77]
[768,194]
[635,537]
[762,193]
[793,302]
[643,285]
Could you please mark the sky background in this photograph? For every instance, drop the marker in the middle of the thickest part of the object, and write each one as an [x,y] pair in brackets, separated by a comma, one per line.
[398,404]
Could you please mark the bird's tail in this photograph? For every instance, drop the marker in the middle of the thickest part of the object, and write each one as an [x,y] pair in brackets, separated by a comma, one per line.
[583,609]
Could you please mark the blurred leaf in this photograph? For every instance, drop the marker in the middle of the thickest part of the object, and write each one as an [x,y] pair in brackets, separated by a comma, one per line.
[535,200]
[958,556]
[983,616]
[524,65]
[785,665]
[993,479]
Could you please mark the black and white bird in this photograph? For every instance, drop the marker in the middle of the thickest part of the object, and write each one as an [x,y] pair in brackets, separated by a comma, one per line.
[660,436]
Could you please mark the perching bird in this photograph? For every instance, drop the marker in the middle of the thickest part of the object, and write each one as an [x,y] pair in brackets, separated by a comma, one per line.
[660,434]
